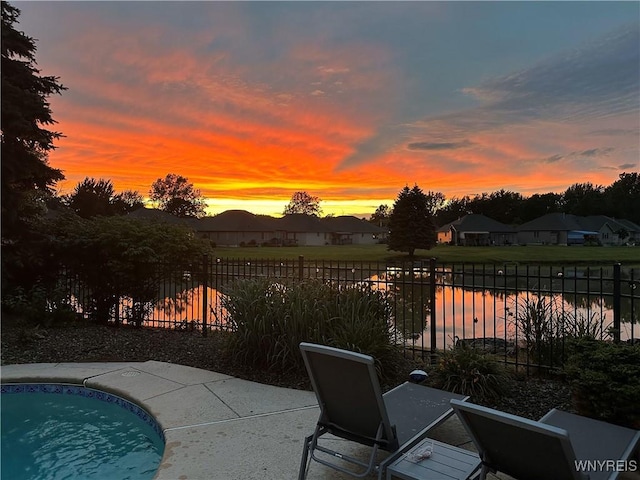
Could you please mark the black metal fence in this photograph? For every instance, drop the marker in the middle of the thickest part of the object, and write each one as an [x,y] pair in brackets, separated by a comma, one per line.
[525,314]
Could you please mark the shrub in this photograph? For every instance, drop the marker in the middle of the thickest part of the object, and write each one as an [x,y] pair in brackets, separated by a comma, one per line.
[605,380]
[41,304]
[114,257]
[469,371]
[269,320]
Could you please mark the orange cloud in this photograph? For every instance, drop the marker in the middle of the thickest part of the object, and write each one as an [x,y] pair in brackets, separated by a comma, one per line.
[250,121]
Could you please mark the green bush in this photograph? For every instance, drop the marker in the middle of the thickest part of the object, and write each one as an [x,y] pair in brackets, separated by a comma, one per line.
[470,371]
[605,380]
[41,304]
[269,320]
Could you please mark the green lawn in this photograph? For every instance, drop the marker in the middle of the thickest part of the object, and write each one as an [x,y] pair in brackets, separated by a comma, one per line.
[445,253]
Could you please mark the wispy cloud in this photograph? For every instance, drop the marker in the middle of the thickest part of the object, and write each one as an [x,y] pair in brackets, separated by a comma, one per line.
[600,78]
[591,153]
[438,145]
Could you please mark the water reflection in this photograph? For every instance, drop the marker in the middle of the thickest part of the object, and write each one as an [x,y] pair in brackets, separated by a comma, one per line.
[466,306]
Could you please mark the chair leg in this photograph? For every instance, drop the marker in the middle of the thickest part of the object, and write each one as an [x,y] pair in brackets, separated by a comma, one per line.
[483,472]
[302,474]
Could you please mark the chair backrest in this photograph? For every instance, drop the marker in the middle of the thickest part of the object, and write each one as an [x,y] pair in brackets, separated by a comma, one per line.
[348,392]
[522,448]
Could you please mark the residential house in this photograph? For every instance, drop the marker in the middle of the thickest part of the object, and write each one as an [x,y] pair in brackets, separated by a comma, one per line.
[610,231]
[476,230]
[634,231]
[301,229]
[556,229]
[347,230]
[237,228]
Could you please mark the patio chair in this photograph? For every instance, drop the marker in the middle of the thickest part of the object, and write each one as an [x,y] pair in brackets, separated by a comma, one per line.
[352,407]
[560,446]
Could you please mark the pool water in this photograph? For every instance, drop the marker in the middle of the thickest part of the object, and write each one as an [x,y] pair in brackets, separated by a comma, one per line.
[56,432]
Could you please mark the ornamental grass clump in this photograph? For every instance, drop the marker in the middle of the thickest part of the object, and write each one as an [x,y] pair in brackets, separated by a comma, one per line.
[469,371]
[269,320]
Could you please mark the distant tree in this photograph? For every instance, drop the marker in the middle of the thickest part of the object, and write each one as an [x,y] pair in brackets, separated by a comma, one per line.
[302,202]
[452,210]
[503,205]
[411,224]
[27,179]
[584,199]
[538,205]
[381,216]
[623,197]
[622,233]
[91,198]
[127,201]
[435,201]
[174,194]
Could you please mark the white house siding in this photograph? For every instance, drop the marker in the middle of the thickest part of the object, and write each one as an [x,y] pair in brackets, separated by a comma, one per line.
[364,239]
[312,239]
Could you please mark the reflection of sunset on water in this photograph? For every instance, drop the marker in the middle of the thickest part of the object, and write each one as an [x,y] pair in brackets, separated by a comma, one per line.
[461,313]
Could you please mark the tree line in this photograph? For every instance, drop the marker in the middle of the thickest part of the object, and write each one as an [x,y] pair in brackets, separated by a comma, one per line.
[97,197]
[621,200]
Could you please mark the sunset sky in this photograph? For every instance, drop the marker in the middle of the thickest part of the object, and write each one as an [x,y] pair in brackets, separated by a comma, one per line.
[252,101]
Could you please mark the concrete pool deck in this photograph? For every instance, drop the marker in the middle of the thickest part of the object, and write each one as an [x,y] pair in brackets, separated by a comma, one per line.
[215,426]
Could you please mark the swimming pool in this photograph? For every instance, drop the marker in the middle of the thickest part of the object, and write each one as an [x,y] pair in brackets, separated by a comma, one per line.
[56,431]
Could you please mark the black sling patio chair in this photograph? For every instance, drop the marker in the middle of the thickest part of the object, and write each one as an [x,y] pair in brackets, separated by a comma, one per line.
[560,446]
[352,407]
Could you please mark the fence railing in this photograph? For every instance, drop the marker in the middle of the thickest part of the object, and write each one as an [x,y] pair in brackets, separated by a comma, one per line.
[525,314]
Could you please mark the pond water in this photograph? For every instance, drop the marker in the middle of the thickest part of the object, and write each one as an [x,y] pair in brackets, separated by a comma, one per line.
[466,307]
[460,313]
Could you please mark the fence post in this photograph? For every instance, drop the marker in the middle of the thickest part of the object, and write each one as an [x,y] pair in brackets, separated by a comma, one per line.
[301,267]
[205,294]
[432,308]
[616,302]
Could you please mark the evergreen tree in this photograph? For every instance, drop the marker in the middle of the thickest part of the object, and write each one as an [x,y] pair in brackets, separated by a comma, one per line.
[411,224]
[27,179]
[25,113]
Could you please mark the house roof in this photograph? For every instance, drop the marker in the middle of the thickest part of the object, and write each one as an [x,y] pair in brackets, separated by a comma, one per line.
[477,223]
[567,222]
[299,222]
[553,222]
[629,225]
[351,224]
[236,221]
[597,222]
